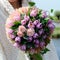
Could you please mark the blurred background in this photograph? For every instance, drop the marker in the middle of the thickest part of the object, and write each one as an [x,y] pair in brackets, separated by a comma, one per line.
[53,6]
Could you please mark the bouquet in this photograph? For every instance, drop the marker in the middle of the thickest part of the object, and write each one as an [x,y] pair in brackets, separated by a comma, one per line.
[30,29]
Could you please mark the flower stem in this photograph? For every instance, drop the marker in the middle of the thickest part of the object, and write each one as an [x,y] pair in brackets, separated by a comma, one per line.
[35,56]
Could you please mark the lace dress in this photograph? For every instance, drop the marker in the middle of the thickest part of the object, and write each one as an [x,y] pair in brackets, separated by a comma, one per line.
[12,53]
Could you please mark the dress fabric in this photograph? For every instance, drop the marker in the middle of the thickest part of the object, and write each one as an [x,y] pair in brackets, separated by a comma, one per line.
[11,52]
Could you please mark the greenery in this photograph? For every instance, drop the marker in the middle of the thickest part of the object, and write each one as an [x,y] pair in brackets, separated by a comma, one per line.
[57,14]
[35,56]
[56,33]
[15,26]
[31,3]
[45,51]
[52,10]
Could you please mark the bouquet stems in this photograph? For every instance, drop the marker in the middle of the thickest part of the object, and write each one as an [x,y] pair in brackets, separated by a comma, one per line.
[36,56]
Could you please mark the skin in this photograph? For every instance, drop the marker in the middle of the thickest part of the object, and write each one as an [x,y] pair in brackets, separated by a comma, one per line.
[12,0]
[14,3]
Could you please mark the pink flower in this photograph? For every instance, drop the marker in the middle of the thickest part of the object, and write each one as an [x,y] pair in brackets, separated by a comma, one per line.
[9,23]
[23,22]
[33,13]
[20,34]
[10,31]
[12,36]
[22,28]
[17,18]
[16,45]
[30,32]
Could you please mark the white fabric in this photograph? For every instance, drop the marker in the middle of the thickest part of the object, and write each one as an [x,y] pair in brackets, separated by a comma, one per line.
[2,54]
[11,52]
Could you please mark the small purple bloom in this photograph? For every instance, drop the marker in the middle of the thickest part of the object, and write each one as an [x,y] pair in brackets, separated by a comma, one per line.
[33,13]
[44,14]
[30,39]
[23,47]
[23,22]
[36,22]
[36,41]
[10,31]
[35,35]
[44,37]
[42,44]
[26,18]
[31,25]
[12,36]
[18,39]
[49,21]
[51,26]
[39,25]
[16,45]
[41,31]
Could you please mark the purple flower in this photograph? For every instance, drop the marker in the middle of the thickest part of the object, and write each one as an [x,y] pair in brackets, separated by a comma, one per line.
[39,25]
[16,45]
[12,36]
[23,22]
[36,45]
[10,31]
[18,39]
[51,26]
[33,13]
[49,21]
[26,18]
[23,47]
[44,14]
[31,25]
[44,37]
[29,39]
[42,44]
[36,22]
[36,41]
[35,35]
[41,31]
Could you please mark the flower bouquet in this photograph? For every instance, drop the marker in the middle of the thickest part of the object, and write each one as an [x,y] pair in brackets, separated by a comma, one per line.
[30,29]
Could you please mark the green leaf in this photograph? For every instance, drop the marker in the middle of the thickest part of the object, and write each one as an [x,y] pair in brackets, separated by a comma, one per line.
[45,51]
[37,57]
[52,10]
[15,33]
[31,3]
[15,26]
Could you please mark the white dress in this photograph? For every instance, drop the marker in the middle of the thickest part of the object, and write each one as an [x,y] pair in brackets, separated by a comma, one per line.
[12,53]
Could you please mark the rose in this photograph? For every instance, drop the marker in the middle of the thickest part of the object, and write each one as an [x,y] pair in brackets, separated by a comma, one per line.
[20,34]
[30,32]
[21,28]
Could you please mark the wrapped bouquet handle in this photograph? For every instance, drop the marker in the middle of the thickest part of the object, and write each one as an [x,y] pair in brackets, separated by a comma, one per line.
[30,29]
